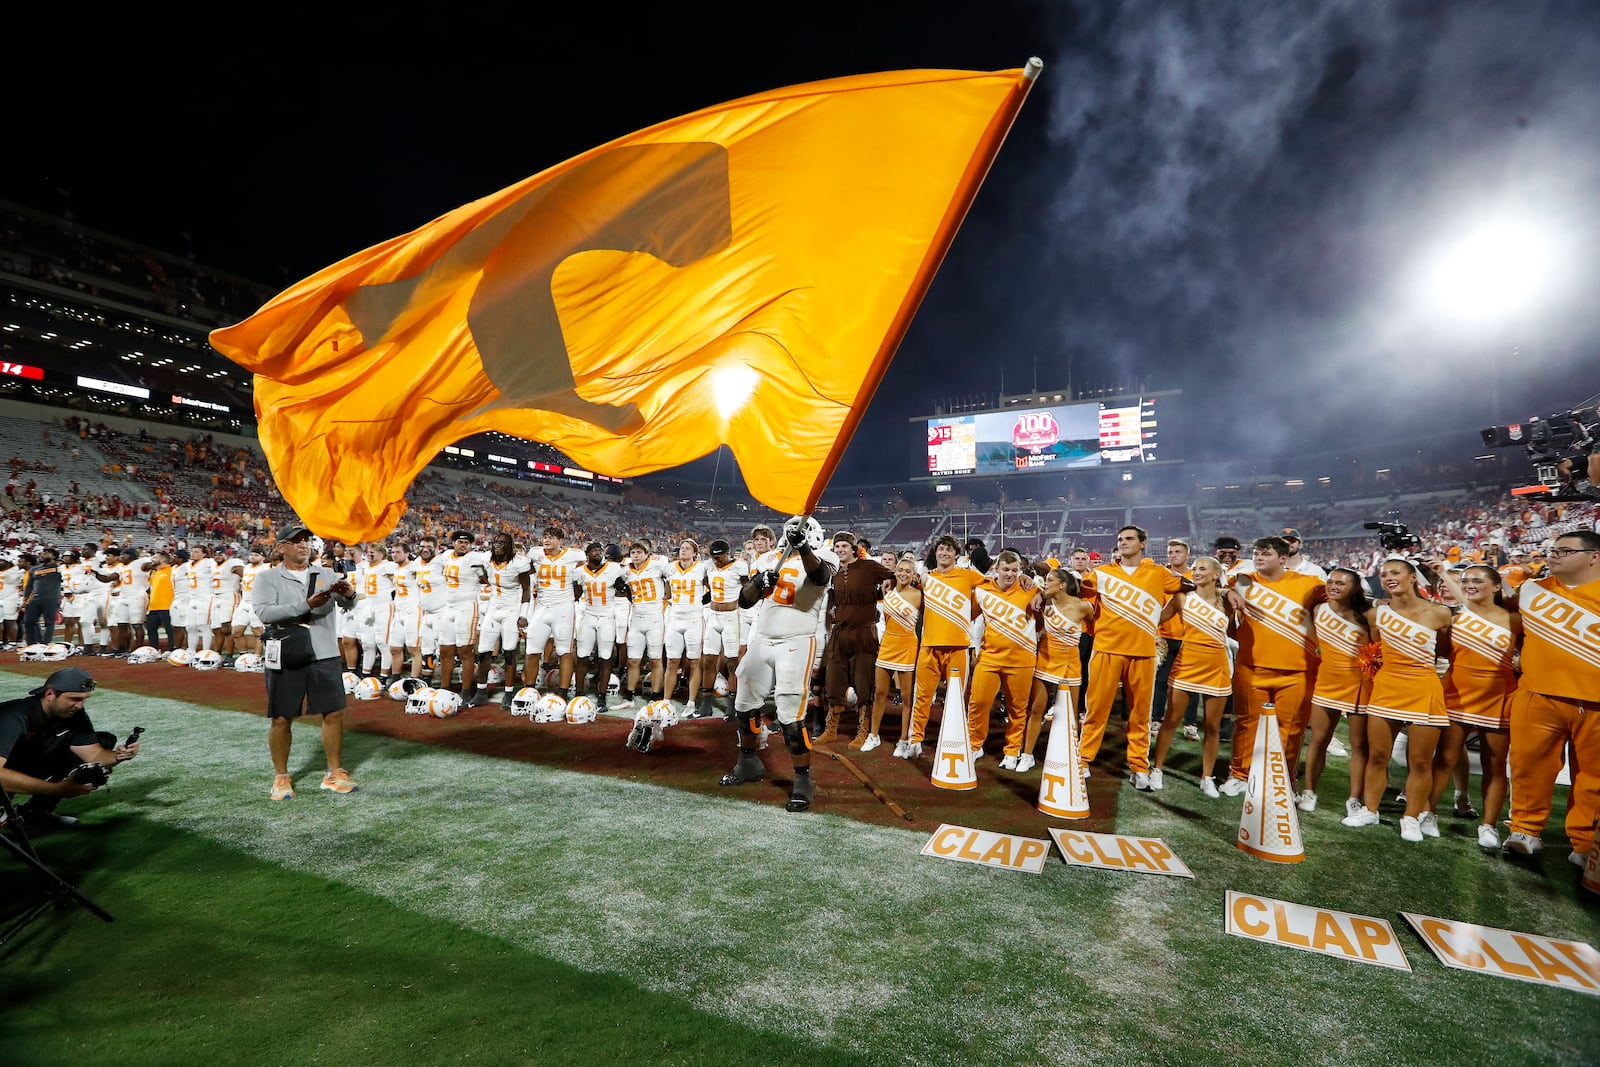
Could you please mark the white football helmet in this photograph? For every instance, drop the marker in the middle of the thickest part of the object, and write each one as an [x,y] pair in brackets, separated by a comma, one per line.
[249,663]
[720,686]
[850,697]
[614,687]
[206,661]
[815,538]
[143,654]
[33,652]
[525,702]
[649,724]
[552,707]
[56,652]
[179,657]
[581,709]
[368,689]
[402,688]
[495,677]
[351,678]
[418,702]
[442,703]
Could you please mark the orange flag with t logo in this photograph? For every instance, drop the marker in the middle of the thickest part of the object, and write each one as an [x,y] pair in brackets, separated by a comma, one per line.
[737,276]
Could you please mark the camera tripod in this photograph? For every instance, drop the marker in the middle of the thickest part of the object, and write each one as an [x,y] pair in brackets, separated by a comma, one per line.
[58,893]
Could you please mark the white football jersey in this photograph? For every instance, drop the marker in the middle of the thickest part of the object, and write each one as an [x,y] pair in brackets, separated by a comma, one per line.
[724,582]
[462,575]
[554,575]
[227,576]
[505,580]
[795,606]
[687,585]
[599,586]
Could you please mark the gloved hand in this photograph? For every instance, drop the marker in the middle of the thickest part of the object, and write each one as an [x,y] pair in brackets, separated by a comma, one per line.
[706,598]
[795,532]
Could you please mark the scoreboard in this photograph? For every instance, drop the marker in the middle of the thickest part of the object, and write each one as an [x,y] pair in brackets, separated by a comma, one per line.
[1122,430]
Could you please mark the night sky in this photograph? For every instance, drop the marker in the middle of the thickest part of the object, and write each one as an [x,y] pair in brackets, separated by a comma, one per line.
[1248,201]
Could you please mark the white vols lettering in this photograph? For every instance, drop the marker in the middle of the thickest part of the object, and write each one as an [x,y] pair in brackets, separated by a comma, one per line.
[1413,639]
[1129,601]
[1563,623]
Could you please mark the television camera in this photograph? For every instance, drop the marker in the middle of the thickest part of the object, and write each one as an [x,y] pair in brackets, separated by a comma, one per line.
[1561,446]
[1395,536]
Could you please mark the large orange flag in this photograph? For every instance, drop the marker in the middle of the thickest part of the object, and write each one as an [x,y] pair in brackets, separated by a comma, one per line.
[737,276]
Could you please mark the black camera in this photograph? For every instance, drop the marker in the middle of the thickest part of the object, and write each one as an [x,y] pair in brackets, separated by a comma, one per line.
[1554,443]
[1395,536]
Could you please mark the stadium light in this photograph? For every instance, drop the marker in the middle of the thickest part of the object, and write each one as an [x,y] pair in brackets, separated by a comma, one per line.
[732,388]
[1496,269]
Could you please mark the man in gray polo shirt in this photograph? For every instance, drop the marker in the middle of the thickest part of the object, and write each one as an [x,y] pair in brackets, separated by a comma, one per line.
[301,592]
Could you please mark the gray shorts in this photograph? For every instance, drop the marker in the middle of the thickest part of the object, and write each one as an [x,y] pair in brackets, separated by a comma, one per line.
[318,689]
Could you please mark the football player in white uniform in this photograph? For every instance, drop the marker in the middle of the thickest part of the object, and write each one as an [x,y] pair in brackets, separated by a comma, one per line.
[130,597]
[551,616]
[687,577]
[761,554]
[600,584]
[93,596]
[720,636]
[793,598]
[12,576]
[227,577]
[464,571]
[405,616]
[375,609]
[650,588]
[71,606]
[244,624]
[510,574]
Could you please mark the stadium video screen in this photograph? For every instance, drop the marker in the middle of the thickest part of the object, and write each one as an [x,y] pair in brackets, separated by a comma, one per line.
[1058,437]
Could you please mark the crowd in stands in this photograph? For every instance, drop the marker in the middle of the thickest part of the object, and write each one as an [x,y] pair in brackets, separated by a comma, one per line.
[61,253]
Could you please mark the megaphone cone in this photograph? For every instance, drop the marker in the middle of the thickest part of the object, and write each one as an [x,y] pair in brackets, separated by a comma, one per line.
[1062,791]
[952,760]
[1269,825]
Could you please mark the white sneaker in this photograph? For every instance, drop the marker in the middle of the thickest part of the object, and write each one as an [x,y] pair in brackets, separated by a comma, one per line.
[1579,860]
[1024,763]
[1009,763]
[1083,772]
[977,754]
[1233,787]
[1523,844]
[900,749]
[1362,817]
[1488,838]
[872,742]
[1306,801]
[1141,781]
[1352,805]
[1410,829]
[913,750]
[1209,787]
[1428,823]
[1191,733]
[1157,780]
[1336,747]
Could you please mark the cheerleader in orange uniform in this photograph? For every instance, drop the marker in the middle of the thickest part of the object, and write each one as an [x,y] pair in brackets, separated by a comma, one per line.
[1407,693]
[1010,647]
[1203,668]
[1478,690]
[897,651]
[1063,614]
[1342,686]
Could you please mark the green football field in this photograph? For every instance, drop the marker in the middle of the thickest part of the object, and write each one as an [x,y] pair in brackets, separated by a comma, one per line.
[504,893]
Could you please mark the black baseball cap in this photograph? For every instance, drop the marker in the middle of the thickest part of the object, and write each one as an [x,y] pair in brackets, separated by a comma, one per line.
[1290,534]
[67,680]
[1226,541]
[718,547]
[295,533]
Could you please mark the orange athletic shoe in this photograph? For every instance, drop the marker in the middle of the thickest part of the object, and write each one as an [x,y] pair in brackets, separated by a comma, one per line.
[282,787]
[338,781]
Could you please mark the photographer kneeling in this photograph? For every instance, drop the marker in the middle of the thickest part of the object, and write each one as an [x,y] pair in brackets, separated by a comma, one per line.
[295,602]
[44,737]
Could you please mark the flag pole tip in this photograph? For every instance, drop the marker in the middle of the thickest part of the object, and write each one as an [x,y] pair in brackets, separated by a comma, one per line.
[1031,69]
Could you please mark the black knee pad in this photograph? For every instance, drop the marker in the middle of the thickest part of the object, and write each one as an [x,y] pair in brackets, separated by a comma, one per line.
[794,738]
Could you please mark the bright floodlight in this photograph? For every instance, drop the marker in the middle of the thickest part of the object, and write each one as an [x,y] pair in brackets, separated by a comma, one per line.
[732,387]
[1495,270]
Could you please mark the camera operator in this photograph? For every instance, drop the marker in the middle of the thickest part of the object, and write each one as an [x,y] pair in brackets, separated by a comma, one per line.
[47,734]
[281,596]
[1558,700]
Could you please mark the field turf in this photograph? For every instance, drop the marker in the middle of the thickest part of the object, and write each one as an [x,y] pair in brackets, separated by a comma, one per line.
[504,892]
